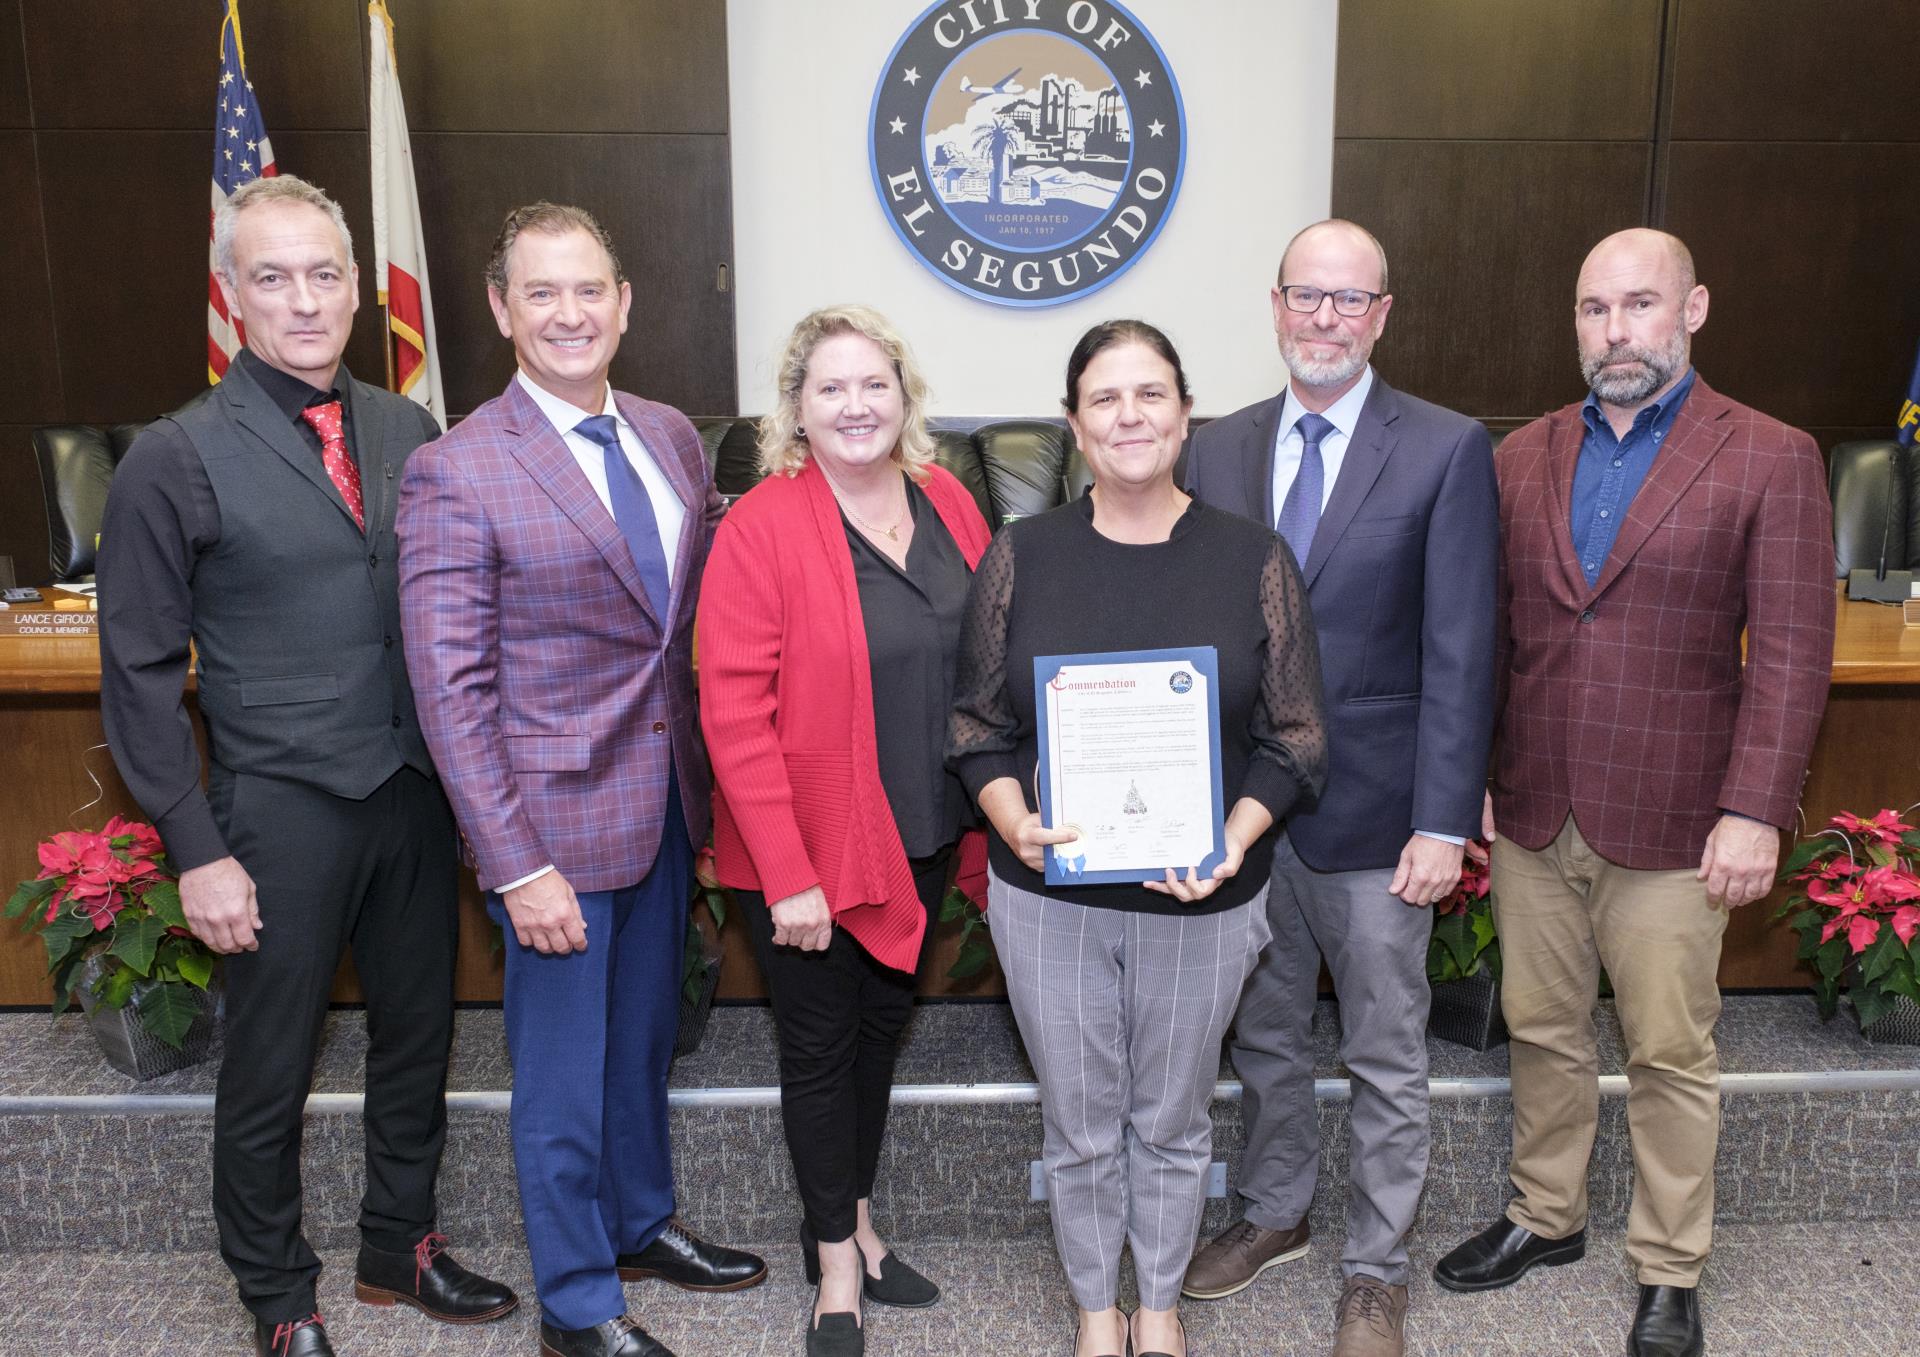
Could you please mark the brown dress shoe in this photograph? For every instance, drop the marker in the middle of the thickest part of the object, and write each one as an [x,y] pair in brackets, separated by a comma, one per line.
[1370,1319]
[1232,1259]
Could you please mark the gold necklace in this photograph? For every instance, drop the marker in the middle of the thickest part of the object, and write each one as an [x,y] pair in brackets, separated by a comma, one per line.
[893,533]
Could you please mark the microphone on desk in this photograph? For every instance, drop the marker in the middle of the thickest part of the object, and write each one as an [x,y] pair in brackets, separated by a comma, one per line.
[1881,585]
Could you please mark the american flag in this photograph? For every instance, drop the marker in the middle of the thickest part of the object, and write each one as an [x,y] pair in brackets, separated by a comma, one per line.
[241,153]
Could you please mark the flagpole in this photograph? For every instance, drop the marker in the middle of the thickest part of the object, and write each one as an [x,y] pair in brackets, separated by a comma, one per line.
[379,8]
[386,343]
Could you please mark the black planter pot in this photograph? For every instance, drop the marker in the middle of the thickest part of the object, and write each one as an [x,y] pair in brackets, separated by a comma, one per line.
[1467,1012]
[127,1045]
[695,1012]
[1898,1026]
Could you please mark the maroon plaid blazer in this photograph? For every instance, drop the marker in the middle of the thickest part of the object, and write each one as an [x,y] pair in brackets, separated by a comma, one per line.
[1626,703]
[551,696]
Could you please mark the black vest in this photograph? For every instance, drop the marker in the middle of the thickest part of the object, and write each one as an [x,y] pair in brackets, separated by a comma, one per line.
[296,614]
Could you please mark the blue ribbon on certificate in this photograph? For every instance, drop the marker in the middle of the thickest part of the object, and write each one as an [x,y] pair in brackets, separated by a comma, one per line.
[1130,761]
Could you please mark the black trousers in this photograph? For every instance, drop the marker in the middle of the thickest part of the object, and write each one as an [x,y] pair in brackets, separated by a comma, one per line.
[378,876]
[840,1014]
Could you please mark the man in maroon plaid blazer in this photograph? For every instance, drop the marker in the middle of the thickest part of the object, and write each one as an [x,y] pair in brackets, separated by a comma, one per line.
[550,556]
[1642,773]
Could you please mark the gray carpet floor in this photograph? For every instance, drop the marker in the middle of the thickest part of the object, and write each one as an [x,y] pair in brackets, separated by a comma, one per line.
[946,1044]
[1779,1291]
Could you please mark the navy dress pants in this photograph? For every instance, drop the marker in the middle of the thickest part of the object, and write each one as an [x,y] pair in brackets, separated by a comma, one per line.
[591,1036]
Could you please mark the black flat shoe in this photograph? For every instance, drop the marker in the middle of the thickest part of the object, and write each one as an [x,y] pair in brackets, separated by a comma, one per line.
[1667,1323]
[836,1334]
[897,1285]
[618,1337]
[679,1256]
[305,1337]
[1501,1254]
[427,1278]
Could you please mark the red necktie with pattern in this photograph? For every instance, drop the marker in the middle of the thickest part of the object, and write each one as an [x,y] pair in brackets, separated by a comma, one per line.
[325,420]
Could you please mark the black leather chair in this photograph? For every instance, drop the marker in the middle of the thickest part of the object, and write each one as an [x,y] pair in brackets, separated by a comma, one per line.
[1013,467]
[76,465]
[1875,485]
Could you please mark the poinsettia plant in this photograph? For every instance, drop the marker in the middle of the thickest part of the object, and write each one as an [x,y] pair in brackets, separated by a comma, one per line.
[1856,906]
[1463,936]
[111,894]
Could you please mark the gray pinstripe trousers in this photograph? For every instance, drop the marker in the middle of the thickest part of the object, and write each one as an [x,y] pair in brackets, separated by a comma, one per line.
[1122,1015]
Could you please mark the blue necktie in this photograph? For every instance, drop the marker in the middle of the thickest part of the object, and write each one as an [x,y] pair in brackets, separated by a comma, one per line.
[632,510]
[1300,515]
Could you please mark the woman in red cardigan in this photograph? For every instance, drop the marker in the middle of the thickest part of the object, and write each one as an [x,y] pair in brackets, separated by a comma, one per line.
[829,624]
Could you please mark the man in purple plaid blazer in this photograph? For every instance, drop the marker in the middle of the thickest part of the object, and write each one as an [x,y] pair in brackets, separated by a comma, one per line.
[550,556]
[1642,772]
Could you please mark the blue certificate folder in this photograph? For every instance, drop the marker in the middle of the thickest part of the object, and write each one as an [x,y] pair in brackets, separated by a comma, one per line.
[1066,866]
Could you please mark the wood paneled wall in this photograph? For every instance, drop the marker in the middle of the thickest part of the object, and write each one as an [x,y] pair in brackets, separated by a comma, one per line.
[1489,143]
[105,122]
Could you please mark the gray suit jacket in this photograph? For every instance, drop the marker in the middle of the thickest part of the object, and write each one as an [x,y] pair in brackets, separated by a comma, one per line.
[1401,576]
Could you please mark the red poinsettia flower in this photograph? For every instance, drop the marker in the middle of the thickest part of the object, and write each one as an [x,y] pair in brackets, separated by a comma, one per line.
[145,838]
[61,855]
[1905,923]
[1848,895]
[1884,828]
[1889,885]
[703,868]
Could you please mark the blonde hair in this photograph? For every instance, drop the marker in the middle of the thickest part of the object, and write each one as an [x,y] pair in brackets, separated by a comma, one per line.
[782,444]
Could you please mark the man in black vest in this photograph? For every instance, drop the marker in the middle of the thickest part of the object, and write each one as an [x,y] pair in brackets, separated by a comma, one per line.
[257,523]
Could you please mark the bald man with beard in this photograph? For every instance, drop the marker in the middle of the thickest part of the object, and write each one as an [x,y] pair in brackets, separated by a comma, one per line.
[1642,772]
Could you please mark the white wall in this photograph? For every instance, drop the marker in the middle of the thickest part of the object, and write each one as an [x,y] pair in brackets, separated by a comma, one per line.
[809,230]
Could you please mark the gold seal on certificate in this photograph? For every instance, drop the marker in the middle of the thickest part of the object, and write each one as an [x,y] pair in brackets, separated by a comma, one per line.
[1130,760]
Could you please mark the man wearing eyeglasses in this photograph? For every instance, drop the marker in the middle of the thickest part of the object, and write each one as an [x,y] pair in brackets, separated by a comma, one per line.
[1389,504]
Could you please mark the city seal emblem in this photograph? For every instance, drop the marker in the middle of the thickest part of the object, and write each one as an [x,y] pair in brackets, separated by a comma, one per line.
[1027,151]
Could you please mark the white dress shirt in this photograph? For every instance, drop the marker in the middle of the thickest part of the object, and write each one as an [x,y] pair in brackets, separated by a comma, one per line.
[1344,415]
[668,511]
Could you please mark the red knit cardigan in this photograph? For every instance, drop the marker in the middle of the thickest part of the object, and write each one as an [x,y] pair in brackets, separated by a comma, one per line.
[786,701]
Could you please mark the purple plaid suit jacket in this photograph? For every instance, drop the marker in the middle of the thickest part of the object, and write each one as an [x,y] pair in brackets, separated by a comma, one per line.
[551,696]
[1627,703]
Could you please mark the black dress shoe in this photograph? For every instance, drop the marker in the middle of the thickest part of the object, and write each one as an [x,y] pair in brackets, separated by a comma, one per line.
[619,1337]
[1667,1323]
[836,1334]
[428,1279]
[692,1264]
[296,1338]
[1501,1254]
[897,1285]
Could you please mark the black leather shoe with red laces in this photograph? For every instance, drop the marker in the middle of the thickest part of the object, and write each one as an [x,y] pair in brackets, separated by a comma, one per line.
[427,1278]
[305,1337]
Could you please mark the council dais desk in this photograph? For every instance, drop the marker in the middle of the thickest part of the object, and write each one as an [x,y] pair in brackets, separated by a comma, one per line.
[1867,756]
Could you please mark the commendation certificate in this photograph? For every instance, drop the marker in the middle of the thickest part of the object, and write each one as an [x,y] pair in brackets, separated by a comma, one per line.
[1130,760]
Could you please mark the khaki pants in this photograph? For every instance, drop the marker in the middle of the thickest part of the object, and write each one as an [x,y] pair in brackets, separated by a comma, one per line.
[1562,913]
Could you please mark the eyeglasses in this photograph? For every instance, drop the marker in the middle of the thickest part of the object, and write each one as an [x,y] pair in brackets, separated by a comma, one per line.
[1348,301]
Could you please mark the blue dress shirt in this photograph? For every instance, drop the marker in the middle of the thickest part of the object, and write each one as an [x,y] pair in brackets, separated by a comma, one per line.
[1610,472]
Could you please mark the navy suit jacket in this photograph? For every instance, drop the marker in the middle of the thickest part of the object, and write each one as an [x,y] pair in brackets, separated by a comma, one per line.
[1402,577]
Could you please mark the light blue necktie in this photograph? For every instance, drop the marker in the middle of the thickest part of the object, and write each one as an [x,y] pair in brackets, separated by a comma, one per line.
[632,510]
[1300,514]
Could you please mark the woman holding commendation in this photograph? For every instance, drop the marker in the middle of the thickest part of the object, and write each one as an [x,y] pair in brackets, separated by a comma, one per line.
[829,620]
[1123,990]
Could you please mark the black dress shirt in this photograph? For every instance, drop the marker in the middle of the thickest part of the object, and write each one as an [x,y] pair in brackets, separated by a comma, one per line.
[913,618]
[163,518]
